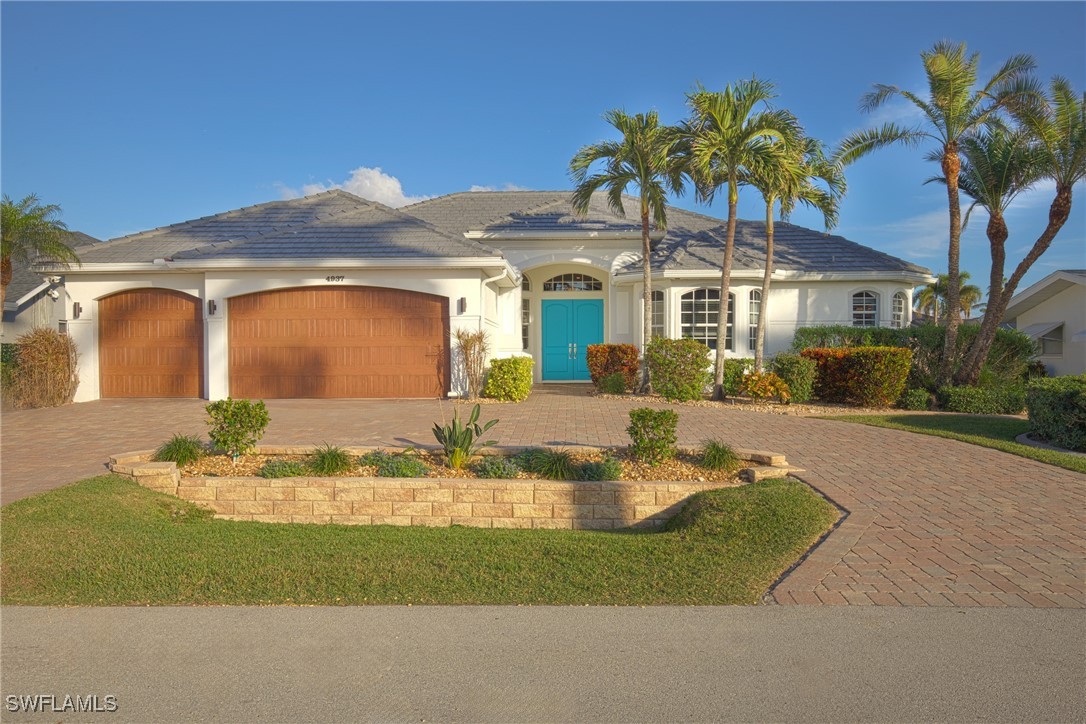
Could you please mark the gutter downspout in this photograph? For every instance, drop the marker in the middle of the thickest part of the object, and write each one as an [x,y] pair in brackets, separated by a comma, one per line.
[482,293]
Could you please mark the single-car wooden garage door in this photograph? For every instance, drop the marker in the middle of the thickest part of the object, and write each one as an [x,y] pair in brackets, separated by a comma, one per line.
[150,344]
[339,342]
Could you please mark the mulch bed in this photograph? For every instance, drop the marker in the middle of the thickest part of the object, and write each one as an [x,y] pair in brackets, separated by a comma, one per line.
[806,409]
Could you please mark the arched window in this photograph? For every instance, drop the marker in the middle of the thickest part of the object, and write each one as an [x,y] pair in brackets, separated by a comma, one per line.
[525,284]
[865,309]
[754,310]
[525,312]
[898,319]
[572,283]
[658,327]
[700,315]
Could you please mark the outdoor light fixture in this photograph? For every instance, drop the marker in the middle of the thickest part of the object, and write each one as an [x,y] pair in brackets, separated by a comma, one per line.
[211,307]
[461,305]
[77,309]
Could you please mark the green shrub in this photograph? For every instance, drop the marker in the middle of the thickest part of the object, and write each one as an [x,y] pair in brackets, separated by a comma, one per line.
[509,379]
[1057,410]
[606,468]
[8,361]
[612,384]
[552,464]
[282,469]
[330,460]
[867,376]
[607,359]
[798,373]
[916,398]
[236,425]
[1003,400]
[461,441]
[716,455]
[735,371]
[678,368]
[180,449]
[763,385]
[496,466]
[845,335]
[653,433]
[395,465]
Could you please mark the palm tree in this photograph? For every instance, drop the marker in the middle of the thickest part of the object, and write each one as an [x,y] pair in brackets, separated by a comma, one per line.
[645,157]
[934,299]
[952,111]
[30,232]
[790,180]
[724,138]
[1056,128]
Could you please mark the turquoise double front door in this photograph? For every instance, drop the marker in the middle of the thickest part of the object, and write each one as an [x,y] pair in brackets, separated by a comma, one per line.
[569,326]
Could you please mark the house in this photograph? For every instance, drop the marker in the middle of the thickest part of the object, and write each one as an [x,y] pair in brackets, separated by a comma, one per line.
[1053,312]
[36,300]
[334,296]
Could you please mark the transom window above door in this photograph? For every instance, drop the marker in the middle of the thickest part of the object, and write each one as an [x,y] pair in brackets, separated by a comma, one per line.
[572,283]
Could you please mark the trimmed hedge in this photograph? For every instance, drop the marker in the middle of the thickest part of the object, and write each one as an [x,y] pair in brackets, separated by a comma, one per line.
[916,398]
[866,376]
[678,368]
[1057,410]
[510,379]
[607,359]
[798,373]
[760,385]
[1002,400]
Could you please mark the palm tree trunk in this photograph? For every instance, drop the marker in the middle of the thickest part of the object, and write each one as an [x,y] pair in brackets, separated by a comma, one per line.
[6,272]
[725,281]
[646,268]
[763,308]
[997,239]
[1058,213]
[951,168]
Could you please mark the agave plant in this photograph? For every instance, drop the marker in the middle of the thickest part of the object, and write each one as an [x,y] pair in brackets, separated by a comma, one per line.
[461,441]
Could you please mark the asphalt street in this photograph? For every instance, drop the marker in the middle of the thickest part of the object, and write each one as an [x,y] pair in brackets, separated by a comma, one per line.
[511,664]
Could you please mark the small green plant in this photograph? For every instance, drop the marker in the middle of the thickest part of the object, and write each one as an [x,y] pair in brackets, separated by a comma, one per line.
[606,468]
[330,460]
[496,467]
[236,425]
[915,399]
[551,464]
[461,441]
[612,384]
[180,449]
[653,433]
[735,371]
[282,469]
[678,368]
[716,455]
[509,379]
[391,465]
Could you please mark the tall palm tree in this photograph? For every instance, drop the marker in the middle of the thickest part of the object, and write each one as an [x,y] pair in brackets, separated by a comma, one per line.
[934,298]
[645,157]
[952,110]
[30,232]
[728,133]
[790,179]
[1056,127]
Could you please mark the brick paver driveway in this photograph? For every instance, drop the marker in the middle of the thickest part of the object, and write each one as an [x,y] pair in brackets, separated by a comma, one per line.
[930,521]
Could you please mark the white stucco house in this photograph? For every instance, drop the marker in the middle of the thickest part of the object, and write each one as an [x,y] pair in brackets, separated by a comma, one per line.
[334,296]
[34,299]
[1053,312]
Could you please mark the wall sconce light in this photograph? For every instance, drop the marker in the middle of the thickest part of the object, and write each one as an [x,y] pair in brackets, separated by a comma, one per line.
[211,307]
[461,305]
[77,309]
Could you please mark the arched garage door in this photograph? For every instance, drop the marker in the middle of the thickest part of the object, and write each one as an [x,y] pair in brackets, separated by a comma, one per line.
[339,342]
[150,344]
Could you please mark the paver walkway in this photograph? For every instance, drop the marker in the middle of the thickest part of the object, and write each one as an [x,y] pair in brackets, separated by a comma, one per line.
[931,521]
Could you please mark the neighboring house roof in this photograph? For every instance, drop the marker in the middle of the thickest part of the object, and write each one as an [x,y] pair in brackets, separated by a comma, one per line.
[25,281]
[1044,290]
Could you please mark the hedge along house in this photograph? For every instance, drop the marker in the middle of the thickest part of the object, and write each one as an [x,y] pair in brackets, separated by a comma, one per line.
[333,296]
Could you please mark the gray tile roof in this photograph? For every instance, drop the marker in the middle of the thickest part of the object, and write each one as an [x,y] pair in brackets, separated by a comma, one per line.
[25,280]
[505,211]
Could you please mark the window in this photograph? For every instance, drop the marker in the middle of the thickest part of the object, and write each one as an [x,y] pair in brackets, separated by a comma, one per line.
[525,285]
[572,283]
[898,319]
[1052,342]
[865,309]
[658,315]
[700,313]
[525,318]
[753,312]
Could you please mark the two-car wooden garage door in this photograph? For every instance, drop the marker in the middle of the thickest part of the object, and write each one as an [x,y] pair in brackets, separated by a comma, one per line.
[326,342]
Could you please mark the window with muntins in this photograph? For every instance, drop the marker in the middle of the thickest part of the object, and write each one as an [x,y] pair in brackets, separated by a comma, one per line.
[658,314]
[898,317]
[572,283]
[700,314]
[754,310]
[525,318]
[865,309]
[1052,342]
[525,285]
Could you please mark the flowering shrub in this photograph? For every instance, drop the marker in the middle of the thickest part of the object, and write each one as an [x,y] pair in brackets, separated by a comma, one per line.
[679,368]
[761,385]
[867,376]
[608,359]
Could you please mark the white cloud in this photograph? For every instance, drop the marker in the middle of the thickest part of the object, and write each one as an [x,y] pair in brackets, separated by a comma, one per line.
[369,183]
[506,187]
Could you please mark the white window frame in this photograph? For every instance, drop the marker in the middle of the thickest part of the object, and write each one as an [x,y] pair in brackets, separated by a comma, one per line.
[867,315]
[658,320]
[573,282]
[899,310]
[702,302]
[754,311]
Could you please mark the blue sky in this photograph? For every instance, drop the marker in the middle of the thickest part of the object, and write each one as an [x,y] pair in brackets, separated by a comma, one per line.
[132,116]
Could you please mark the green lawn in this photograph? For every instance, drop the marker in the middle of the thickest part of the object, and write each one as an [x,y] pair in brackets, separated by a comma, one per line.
[107,541]
[987,431]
